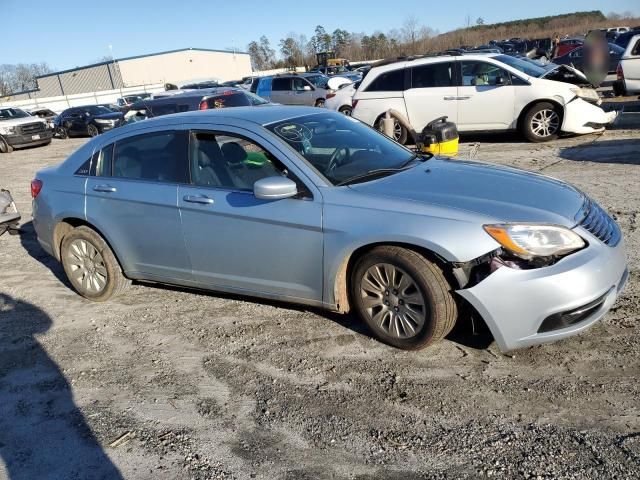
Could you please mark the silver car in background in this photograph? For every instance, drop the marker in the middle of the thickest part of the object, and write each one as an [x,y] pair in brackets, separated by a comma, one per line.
[314,207]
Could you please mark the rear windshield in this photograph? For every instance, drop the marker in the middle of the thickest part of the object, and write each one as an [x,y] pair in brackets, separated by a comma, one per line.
[235,99]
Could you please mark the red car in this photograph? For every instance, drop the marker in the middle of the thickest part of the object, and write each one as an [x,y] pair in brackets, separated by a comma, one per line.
[566,45]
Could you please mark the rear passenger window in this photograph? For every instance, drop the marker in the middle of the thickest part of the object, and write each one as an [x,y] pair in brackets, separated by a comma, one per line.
[432,75]
[388,82]
[159,157]
[103,167]
[636,49]
[280,84]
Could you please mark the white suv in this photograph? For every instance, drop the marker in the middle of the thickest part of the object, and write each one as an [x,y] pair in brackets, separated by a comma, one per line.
[479,92]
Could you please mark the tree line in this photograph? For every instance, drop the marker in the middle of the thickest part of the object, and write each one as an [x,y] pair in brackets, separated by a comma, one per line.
[20,77]
[414,37]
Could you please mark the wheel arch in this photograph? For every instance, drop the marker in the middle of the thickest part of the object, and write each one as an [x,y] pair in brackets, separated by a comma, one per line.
[67,224]
[342,300]
[532,103]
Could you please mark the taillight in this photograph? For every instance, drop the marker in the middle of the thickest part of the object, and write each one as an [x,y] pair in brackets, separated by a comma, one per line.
[619,72]
[36,186]
[330,95]
[354,103]
[203,105]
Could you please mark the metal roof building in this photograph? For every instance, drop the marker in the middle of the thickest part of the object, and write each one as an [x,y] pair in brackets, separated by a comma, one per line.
[173,66]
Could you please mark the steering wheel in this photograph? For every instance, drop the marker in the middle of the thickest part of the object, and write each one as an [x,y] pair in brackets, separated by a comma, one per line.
[336,159]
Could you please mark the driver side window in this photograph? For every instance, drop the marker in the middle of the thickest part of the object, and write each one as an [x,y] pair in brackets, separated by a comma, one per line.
[477,74]
[229,162]
[299,84]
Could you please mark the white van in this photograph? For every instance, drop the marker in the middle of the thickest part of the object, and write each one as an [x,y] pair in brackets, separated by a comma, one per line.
[479,92]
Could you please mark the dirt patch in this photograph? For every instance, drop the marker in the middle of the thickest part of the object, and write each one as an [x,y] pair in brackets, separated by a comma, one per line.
[212,386]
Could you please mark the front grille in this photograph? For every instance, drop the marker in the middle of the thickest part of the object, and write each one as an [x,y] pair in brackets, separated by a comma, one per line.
[594,219]
[30,128]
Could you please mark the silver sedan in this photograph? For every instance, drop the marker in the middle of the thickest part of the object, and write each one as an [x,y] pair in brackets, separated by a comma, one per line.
[308,206]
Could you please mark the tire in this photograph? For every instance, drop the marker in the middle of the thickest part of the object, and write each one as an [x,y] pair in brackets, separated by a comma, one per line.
[346,110]
[92,130]
[421,305]
[319,103]
[400,133]
[62,133]
[4,146]
[91,266]
[542,122]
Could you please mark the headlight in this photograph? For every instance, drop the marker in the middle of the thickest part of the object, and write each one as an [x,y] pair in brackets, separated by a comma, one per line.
[587,94]
[529,241]
[104,121]
[7,130]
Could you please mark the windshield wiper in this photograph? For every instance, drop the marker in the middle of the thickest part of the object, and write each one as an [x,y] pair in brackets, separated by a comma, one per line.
[422,157]
[371,174]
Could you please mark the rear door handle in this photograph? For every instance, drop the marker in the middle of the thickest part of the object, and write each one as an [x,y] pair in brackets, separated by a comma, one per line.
[449,97]
[202,199]
[104,188]
[466,97]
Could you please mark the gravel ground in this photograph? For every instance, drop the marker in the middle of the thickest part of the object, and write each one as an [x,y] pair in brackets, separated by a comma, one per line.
[170,383]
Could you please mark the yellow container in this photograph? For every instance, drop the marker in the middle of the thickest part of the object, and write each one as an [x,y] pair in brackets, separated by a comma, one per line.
[447,148]
[440,138]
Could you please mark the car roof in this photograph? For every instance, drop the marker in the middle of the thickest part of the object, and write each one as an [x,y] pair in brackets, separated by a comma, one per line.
[257,115]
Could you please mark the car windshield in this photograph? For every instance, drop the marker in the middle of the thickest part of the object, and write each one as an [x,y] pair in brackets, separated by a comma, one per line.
[341,148]
[96,110]
[9,113]
[525,67]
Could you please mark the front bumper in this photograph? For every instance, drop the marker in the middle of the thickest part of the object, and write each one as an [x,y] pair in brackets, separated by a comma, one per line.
[29,140]
[515,303]
[583,117]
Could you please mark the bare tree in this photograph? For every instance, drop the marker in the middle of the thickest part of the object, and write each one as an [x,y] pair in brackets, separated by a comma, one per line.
[410,29]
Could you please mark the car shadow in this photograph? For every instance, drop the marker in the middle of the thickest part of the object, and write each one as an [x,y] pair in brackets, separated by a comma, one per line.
[625,151]
[43,433]
[29,241]
[469,333]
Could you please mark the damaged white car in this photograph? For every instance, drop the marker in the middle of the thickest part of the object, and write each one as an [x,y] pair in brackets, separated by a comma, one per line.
[479,92]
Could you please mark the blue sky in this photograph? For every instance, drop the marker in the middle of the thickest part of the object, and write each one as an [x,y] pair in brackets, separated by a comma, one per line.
[69,33]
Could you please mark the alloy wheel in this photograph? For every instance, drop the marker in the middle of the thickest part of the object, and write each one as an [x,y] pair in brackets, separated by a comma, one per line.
[545,123]
[393,300]
[87,267]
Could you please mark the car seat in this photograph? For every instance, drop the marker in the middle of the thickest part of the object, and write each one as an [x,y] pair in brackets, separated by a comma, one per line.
[127,163]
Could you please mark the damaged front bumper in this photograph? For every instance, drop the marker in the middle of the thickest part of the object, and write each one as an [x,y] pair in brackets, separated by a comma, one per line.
[539,305]
[582,117]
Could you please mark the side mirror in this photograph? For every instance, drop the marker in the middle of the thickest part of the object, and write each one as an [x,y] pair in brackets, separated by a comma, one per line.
[307,88]
[274,188]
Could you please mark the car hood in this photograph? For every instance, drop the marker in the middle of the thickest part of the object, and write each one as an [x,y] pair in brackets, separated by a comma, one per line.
[503,193]
[13,122]
[109,116]
[567,74]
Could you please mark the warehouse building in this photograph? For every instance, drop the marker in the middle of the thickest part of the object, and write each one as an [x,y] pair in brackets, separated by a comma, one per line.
[175,66]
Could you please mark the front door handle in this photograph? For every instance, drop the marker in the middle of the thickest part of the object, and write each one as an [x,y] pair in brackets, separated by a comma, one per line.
[202,199]
[104,188]
[449,97]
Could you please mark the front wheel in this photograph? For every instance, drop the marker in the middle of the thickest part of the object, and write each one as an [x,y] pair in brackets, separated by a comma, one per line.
[90,265]
[62,133]
[346,110]
[542,122]
[92,130]
[4,146]
[320,103]
[404,299]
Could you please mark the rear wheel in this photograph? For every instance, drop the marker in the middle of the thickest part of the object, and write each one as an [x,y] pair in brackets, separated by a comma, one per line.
[4,146]
[90,265]
[400,133]
[542,122]
[346,110]
[403,298]
[320,103]
[92,130]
